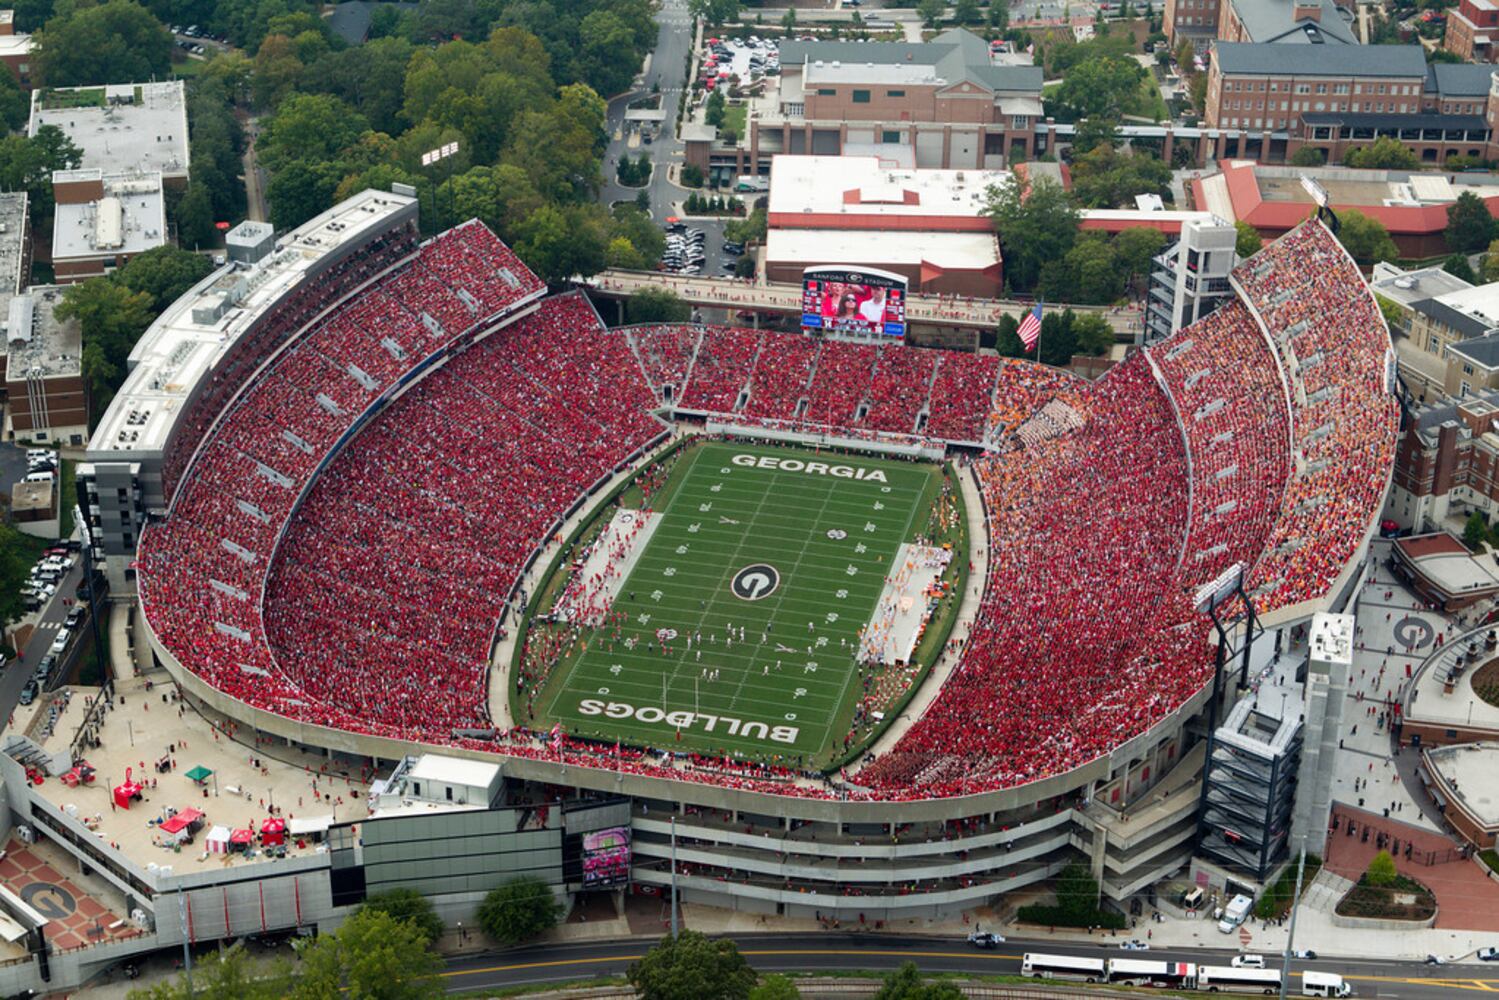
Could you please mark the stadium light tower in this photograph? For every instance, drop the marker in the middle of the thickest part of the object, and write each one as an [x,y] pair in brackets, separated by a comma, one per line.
[1324,210]
[431,158]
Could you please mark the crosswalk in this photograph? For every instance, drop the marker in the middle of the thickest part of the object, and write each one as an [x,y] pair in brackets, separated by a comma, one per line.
[48,626]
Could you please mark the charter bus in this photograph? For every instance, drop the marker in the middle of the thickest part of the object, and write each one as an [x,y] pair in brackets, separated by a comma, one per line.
[1136,972]
[1224,979]
[1039,966]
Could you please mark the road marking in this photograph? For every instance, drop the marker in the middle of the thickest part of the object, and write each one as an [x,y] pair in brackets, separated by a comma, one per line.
[1485,985]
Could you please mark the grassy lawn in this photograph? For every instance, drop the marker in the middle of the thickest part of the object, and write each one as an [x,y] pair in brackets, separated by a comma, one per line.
[188,67]
[1149,101]
[734,118]
[789,686]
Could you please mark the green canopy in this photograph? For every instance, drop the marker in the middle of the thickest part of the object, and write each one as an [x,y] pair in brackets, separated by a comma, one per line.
[200,774]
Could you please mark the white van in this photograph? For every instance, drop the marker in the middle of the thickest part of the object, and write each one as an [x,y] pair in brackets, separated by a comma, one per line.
[34,454]
[1248,962]
[38,477]
[1234,914]
[1192,898]
[1324,984]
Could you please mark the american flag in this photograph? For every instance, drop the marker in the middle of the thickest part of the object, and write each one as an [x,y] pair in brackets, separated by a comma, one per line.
[1030,327]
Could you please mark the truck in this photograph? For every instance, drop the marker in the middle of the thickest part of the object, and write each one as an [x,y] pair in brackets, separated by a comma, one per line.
[1234,914]
[1324,984]
[751,182]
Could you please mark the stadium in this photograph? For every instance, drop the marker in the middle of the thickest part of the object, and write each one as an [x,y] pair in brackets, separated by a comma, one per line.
[910,602]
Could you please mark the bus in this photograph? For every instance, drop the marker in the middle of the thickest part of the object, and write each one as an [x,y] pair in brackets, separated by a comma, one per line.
[1037,966]
[1225,979]
[1136,972]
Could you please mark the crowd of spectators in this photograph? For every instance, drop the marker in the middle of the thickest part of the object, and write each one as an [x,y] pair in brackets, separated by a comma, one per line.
[203,569]
[1231,401]
[1334,347]
[1084,634]
[1075,645]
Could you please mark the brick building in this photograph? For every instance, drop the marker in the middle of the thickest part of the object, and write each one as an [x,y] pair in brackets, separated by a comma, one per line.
[102,220]
[44,385]
[1276,99]
[15,49]
[947,104]
[1471,29]
[1447,463]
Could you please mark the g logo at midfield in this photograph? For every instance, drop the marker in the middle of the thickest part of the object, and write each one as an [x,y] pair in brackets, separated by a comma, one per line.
[755,581]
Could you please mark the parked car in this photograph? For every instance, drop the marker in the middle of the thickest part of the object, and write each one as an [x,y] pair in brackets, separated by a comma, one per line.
[28,693]
[75,615]
[987,940]
[1134,944]
[1248,961]
[61,642]
[1488,954]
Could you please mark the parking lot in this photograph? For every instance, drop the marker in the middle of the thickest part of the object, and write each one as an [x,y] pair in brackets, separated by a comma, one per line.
[746,58]
[699,249]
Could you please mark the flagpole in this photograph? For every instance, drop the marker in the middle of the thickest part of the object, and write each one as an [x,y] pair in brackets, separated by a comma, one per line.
[1040,306]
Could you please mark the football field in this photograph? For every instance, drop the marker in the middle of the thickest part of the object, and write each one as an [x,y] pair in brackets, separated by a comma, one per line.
[769,560]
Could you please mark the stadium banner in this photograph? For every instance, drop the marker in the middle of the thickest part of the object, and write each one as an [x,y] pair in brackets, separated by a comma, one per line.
[606,858]
[854,300]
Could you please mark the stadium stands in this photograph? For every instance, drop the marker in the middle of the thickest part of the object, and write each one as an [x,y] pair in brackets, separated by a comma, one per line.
[1262,434]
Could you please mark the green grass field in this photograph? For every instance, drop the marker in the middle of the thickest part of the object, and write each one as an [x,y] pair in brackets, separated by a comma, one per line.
[829,538]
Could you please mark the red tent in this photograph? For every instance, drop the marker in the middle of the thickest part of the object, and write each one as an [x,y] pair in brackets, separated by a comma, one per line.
[182,822]
[126,791]
[239,840]
[273,832]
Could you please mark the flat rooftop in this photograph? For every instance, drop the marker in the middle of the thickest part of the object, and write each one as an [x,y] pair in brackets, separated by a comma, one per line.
[1448,565]
[861,185]
[1468,770]
[965,251]
[129,126]
[842,72]
[47,347]
[1407,287]
[176,351]
[12,241]
[141,729]
[130,219]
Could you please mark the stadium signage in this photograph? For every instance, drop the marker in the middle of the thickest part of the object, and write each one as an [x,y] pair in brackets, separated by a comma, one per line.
[651,715]
[811,468]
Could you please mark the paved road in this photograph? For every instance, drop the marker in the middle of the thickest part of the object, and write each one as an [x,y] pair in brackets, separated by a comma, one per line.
[826,953]
[255,179]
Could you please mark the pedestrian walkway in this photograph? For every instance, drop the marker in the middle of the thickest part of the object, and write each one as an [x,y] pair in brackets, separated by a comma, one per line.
[1466,898]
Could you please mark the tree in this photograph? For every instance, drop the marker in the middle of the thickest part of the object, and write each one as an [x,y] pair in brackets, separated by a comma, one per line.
[163,273]
[1393,313]
[997,17]
[1491,263]
[749,229]
[966,12]
[692,175]
[308,128]
[15,105]
[111,318]
[775,987]
[1385,153]
[227,973]
[1088,273]
[1106,86]
[931,12]
[1470,226]
[1136,248]
[409,906]
[14,568]
[1108,178]
[657,305]
[518,910]
[744,267]
[692,967]
[714,11]
[1248,242]
[372,955]
[713,110]
[905,983]
[1093,333]
[1036,221]
[788,21]
[1366,239]
[1094,132]
[1308,156]
[1475,533]
[1457,266]
[1382,868]
[1007,337]
[112,42]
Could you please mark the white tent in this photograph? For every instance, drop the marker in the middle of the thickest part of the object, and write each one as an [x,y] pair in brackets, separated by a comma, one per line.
[218,840]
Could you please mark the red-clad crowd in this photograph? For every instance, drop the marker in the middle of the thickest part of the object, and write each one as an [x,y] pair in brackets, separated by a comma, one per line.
[204,568]
[1075,646]
[1334,346]
[1231,401]
[1099,521]
[457,482]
